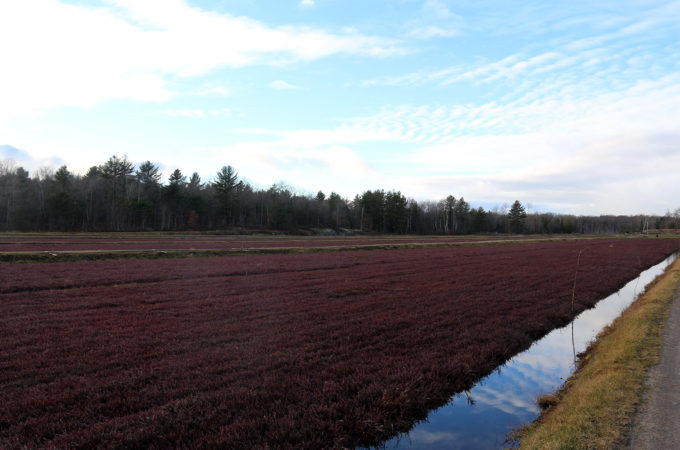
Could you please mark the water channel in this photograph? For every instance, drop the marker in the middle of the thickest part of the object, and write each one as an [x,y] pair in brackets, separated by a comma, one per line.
[506,399]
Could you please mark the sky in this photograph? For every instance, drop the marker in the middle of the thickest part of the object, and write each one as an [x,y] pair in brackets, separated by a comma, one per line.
[568,106]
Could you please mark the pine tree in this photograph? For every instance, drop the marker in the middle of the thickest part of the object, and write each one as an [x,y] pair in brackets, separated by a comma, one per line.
[517,216]
[225,186]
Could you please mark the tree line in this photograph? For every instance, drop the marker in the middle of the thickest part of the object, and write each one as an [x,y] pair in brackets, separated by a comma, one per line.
[121,196]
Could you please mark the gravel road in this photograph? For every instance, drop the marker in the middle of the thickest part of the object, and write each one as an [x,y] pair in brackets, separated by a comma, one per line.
[657,423]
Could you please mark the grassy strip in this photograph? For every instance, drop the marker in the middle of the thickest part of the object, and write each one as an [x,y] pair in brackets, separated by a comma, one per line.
[596,405]
[93,255]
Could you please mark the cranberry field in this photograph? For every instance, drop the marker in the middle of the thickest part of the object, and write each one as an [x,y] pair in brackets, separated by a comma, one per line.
[310,350]
[56,242]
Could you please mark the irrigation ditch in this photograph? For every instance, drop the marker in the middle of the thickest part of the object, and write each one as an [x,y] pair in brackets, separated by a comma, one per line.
[487,415]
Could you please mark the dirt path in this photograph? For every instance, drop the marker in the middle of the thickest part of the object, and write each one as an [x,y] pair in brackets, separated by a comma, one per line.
[657,423]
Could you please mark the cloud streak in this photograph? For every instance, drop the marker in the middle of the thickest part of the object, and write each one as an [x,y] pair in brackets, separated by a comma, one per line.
[283,85]
[617,44]
[195,113]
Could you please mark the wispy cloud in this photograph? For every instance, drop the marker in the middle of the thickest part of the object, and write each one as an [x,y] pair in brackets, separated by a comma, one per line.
[435,20]
[430,31]
[210,89]
[508,402]
[442,438]
[82,55]
[438,8]
[280,84]
[195,113]
[306,4]
[559,107]
[610,43]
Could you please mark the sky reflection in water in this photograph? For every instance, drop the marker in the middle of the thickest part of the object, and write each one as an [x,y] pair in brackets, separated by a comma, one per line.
[506,399]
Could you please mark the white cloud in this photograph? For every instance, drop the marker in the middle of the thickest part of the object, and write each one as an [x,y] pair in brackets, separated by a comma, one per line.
[430,31]
[280,84]
[11,158]
[306,4]
[435,21]
[442,438]
[195,112]
[438,8]
[323,159]
[214,90]
[73,55]
[298,152]
[508,402]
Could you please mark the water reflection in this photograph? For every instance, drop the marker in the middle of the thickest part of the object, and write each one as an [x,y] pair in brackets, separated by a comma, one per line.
[506,399]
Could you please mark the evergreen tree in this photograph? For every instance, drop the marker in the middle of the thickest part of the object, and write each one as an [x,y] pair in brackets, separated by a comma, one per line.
[173,194]
[516,217]
[225,187]
[449,211]
[462,212]
[396,212]
[146,205]
[116,172]
[195,184]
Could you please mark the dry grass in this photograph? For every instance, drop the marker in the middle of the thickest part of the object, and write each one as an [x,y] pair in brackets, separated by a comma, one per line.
[545,401]
[597,404]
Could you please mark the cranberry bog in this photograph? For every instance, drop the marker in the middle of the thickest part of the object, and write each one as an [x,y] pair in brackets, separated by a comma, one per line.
[309,350]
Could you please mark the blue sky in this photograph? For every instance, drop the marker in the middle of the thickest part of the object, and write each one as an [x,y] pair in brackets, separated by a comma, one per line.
[568,106]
